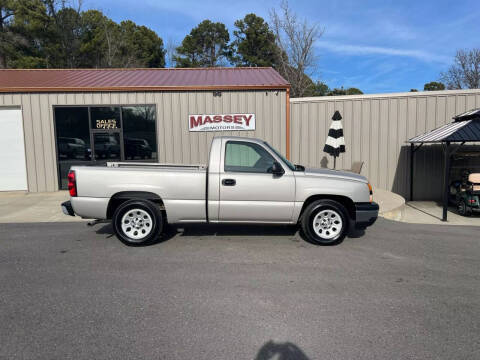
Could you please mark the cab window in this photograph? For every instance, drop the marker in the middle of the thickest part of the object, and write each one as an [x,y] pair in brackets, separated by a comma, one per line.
[247,157]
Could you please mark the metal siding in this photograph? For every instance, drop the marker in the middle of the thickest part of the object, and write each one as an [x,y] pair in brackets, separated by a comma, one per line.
[392,152]
[47,135]
[386,162]
[376,130]
[30,153]
[39,140]
[175,143]
[383,143]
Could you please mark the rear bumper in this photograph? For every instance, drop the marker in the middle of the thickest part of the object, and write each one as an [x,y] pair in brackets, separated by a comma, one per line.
[67,208]
[365,214]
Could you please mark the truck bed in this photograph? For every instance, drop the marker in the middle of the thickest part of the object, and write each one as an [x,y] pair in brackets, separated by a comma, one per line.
[182,188]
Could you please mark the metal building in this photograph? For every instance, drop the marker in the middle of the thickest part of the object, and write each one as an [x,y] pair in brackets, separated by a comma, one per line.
[376,128]
[52,119]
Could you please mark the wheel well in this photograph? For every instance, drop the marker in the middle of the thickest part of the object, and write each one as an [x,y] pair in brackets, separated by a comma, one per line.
[117,199]
[344,200]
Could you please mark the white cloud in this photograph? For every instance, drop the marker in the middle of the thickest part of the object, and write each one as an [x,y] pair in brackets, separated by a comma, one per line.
[350,49]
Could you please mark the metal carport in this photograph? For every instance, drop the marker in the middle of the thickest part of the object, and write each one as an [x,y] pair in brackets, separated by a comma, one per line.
[465,128]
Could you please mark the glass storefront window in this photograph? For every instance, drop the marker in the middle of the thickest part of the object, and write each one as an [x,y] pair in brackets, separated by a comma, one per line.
[107,146]
[117,133]
[105,117]
[139,138]
[73,139]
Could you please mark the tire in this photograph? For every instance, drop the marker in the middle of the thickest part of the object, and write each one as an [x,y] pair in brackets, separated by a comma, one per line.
[325,222]
[137,222]
[462,208]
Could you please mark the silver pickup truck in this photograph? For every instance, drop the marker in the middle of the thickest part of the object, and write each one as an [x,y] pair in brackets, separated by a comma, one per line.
[246,181]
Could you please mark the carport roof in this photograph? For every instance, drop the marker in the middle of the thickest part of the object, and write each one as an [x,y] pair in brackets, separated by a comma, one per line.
[464,128]
[64,80]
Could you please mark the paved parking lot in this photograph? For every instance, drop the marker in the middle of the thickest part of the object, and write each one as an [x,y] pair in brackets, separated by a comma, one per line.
[400,291]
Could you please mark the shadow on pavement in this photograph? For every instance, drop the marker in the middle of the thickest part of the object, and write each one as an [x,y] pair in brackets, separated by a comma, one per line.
[280,351]
[228,230]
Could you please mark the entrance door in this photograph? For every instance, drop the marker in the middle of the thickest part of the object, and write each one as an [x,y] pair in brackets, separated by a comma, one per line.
[248,189]
[13,172]
[107,146]
[106,135]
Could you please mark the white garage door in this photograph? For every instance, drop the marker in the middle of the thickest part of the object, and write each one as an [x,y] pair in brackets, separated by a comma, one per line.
[13,173]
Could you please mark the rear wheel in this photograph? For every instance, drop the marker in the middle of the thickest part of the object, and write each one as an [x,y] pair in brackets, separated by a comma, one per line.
[462,207]
[325,222]
[137,222]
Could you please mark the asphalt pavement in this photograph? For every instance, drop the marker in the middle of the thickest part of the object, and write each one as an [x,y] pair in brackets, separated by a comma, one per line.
[399,291]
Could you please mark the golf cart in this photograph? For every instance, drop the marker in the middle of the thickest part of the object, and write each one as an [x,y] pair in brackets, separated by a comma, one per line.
[465,193]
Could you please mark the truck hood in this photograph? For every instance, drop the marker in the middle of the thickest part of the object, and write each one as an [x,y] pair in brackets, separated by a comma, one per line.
[341,174]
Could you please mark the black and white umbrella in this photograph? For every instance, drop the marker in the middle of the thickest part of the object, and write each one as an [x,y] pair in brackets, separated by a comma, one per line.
[335,143]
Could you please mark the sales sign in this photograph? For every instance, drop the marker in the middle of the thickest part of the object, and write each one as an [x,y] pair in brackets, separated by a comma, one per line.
[106,124]
[223,122]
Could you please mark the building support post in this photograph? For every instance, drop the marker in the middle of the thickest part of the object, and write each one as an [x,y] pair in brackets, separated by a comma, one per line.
[413,149]
[446,180]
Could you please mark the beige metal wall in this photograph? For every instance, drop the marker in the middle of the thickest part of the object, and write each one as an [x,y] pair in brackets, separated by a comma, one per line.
[175,143]
[376,128]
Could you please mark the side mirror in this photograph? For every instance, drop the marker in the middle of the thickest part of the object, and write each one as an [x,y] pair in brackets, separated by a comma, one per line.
[277,169]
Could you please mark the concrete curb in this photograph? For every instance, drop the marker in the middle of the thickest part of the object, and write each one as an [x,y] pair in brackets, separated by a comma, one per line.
[396,214]
[392,206]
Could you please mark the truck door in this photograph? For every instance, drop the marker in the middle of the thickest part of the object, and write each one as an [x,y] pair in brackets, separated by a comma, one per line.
[248,190]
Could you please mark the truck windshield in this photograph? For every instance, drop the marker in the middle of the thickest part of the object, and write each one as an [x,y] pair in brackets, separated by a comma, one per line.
[288,163]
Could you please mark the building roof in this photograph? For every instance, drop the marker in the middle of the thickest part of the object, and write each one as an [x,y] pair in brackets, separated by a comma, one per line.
[63,80]
[468,115]
[464,128]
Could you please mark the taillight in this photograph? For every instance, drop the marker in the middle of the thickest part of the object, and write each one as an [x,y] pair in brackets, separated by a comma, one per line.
[72,184]
[370,189]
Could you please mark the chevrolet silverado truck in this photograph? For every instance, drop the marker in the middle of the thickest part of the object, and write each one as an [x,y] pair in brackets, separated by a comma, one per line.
[246,181]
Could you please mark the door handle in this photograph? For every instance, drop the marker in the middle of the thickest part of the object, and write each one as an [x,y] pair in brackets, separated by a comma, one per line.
[228,182]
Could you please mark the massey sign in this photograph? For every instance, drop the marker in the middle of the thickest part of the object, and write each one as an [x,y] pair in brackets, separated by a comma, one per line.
[225,122]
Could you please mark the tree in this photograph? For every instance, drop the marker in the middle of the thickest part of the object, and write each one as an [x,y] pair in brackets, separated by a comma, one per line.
[50,33]
[21,22]
[413,90]
[254,43]
[433,86]
[337,92]
[60,42]
[98,48]
[170,52]
[295,41]
[465,71]
[342,91]
[206,45]
[7,37]
[321,89]
[140,46]
[353,91]
[317,88]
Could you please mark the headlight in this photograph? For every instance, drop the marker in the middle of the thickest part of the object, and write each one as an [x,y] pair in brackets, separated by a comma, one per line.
[370,189]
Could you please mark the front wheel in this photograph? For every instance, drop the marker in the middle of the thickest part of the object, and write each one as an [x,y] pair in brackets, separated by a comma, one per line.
[463,209]
[325,222]
[137,222]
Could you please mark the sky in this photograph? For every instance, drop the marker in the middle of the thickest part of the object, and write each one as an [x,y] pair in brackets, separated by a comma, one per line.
[377,46]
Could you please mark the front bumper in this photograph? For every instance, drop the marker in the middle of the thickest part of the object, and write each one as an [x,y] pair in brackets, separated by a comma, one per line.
[365,214]
[67,208]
